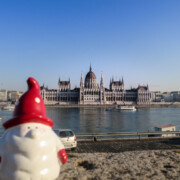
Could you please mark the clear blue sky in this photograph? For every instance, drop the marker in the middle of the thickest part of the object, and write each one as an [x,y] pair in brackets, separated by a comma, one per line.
[138,40]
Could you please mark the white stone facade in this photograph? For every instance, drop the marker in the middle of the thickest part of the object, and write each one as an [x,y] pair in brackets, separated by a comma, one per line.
[92,93]
[3,95]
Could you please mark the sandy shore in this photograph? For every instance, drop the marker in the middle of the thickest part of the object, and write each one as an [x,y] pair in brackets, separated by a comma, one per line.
[155,164]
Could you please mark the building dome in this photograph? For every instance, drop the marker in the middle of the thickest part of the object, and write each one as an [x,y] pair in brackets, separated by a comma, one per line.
[90,75]
[90,80]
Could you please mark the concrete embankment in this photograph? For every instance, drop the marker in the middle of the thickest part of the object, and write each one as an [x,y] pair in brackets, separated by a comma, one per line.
[152,105]
[160,105]
[122,145]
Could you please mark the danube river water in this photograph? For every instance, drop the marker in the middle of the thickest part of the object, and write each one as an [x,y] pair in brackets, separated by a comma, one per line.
[98,120]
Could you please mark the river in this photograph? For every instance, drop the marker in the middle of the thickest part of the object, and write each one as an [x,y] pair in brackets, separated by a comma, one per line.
[98,120]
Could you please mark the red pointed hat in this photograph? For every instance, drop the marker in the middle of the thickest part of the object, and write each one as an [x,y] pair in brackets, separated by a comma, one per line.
[30,108]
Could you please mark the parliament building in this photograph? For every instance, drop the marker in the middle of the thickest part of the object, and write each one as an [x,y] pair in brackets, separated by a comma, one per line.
[92,93]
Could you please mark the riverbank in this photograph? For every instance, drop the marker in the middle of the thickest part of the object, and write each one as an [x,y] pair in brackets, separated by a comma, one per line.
[160,104]
[150,164]
[124,145]
[152,105]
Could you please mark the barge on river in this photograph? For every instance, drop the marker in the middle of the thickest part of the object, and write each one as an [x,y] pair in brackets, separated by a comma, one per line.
[128,108]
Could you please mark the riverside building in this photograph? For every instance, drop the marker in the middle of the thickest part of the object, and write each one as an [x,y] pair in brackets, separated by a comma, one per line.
[92,93]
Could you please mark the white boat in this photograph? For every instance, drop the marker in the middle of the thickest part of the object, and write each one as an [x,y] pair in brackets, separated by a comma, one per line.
[0,119]
[129,108]
[8,107]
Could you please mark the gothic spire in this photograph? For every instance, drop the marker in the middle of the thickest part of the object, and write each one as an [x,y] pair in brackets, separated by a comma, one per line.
[90,68]
[59,81]
[102,80]
[82,80]
[147,87]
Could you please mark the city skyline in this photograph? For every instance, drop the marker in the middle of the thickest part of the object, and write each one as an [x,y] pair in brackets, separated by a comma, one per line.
[137,40]
[115,79]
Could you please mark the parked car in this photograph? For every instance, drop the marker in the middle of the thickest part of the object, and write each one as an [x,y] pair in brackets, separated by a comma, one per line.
[68,138]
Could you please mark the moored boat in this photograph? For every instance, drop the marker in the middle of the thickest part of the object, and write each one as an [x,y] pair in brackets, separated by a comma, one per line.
[8,107]
[129,108]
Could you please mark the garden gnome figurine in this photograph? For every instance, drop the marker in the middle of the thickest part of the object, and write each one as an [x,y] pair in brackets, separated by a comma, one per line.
[29,148]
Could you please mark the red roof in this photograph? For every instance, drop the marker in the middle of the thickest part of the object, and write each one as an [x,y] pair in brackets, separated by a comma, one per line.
[90,75]
[142,88]
[64,82]
[117,83]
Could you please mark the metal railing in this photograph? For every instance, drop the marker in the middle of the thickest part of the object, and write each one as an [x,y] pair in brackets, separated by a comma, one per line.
[139,135]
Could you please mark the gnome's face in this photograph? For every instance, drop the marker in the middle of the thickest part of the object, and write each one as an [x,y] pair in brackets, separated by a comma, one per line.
[32,130]
[29,138]
[29,130]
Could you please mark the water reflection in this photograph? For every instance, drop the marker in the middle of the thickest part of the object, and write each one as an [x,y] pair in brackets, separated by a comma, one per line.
[5,115]
[98,120]
[92,120]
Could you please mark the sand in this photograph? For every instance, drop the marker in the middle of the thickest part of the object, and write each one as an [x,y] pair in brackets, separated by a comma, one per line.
[154,164]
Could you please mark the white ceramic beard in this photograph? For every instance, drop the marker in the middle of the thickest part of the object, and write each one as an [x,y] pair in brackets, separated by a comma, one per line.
[29,151]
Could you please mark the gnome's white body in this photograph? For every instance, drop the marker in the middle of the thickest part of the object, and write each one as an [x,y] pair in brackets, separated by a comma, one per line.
[30,152]
[29,149]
